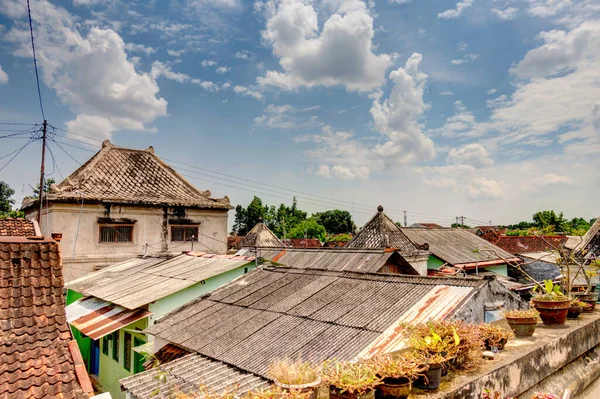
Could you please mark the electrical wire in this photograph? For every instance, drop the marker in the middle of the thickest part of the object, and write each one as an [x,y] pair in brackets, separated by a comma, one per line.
[17,151]
[37,77]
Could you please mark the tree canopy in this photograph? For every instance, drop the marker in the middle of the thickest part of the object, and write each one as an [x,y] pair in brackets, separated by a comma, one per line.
[551,222]
[7,201]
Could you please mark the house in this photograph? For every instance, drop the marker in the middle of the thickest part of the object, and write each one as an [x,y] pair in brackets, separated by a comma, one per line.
[271,313]
[261,237]
[530,244]
[124,202]
[381,233]
[426,225]
[109,310]
[16,227]
[589,247]
[461,250]
[38,357]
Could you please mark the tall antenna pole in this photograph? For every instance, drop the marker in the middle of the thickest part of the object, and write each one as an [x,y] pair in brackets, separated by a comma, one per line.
[41,190]
[405,220]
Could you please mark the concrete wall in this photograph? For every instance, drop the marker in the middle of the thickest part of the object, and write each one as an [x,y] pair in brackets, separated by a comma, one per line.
[419,263]
[473,311]
[81,259]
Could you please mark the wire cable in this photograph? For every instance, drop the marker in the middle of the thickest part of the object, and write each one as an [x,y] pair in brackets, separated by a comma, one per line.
[17,151]
[37,77]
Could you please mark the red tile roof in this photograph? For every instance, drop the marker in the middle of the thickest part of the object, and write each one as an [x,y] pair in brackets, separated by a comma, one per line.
[305,243]
[17,228]
[35,358]
[524,244]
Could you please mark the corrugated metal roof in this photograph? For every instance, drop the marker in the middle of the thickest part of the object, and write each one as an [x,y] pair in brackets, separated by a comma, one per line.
[97,318]
[356,260]
[273,313]
[186,375]
[139,281]
[457,246]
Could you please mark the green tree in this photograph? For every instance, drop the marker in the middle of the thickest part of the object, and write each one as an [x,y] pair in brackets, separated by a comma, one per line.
[287,217]
[6,202]
[550,222]
[336,221]
[47,184]
[309,228]
[460,226]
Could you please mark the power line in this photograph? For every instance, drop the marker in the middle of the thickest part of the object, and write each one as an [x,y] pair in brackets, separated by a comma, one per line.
[37,77]
[17,151]
[17,123]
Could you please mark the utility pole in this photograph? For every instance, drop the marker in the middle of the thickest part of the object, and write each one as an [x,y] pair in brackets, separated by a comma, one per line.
[462,222]
[456,224]
[41,191]
[405,220]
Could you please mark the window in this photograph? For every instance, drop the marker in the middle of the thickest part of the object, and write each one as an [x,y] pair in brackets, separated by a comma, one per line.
[105,345]
[127,351]
[138,358]
[115,348]
[116,233]
[184,233]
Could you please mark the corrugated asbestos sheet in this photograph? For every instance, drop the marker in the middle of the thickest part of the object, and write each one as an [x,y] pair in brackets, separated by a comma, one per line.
[382,232]
[97,318]
[186,375]
[139,281]
[273,313]
[457,246]
[260,236]
[329,259]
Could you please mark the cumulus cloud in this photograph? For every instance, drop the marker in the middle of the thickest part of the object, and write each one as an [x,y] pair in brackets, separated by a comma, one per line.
[244,55]
[462,46]
[397,117]
[547,8]
[3,76]
[222,70]
[90,72]
[461,124]
[175,53]
[491,91]
[473,154]
[552,179]
[140,48]
[208,63]
[286,117]
[446,93]
[499,101]
[455,12]
[323,171]
[482,188]
[465,59]
[247,92]
[340,54]
[508,13]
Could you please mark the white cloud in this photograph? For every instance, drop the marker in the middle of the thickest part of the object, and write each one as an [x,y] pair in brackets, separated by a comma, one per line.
[465,59]
[222,70]
[139,48]
[175,53]
[547,8]
[500,101]
[160,69]
[455,12]
[285,117]
[473,154]
[491,91]
[244,55]
[461,124]
[323,171]
[90,73]
[400,1]
[397,117]
[458,62]
[442,182]
[350,173]
[341,54]
[482,188]
[461,46]
[552,179]
[208,63]
[508,13]
[3,76]
[446,93]
[247,92]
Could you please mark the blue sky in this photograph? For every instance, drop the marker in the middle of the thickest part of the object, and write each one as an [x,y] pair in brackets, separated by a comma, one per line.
[487,109]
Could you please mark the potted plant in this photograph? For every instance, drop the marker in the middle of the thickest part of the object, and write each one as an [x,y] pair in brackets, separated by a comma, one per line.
[552,304]
[540,395]
[433,364]
[295,375]
[576,308]
[273,392]
[522,322]
[350,380]
[397,373]
[493,336]
[433,351]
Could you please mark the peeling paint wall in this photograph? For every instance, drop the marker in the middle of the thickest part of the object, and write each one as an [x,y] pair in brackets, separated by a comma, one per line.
[473,311]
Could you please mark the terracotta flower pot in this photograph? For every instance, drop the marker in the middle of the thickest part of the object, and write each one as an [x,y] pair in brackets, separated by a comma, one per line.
[303,388]
[574,312]
[336,393]
[522,326]
[393,388]
[553,312]
[431,379]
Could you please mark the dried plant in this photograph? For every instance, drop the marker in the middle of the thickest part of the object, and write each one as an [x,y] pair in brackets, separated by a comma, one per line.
[275,392]
[521,314]
[205,392]
[398,366]
[349,377]
[494,335]
[540,395]
[292,372]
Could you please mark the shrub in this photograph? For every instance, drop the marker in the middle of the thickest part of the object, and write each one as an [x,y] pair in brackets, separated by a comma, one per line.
[349,377]
[291,372]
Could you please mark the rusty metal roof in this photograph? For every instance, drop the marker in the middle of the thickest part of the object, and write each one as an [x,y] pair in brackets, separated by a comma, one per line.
[97,318]
[139,281]
[273,312]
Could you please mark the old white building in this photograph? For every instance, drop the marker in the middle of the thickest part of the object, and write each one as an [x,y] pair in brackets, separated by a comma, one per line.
[124,202]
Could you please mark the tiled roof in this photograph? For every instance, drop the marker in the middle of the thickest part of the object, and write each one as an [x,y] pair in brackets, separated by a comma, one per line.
[139,281]
[35,358]
[18,228]
[522,244]
[589,247]
[123,175]
[273,312]
[342,259]
[261,236]
[381,232]
[457,246]
[186,375]
[305,242]
[426,225]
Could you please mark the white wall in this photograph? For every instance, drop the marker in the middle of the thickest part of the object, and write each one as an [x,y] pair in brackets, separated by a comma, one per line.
[81,248]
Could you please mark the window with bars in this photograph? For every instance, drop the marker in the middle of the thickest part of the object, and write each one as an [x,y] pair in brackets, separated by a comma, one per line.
[184,233]
[115,347]
[127,351]
[116,233]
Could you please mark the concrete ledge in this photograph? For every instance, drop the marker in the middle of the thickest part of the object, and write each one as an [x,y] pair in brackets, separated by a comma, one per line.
[524,363]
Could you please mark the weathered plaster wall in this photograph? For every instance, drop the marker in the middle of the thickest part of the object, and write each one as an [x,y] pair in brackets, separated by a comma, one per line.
[81,259]
[473,311]
[419,263]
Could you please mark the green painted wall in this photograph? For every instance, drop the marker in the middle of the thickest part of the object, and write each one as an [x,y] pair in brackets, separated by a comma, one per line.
[173,301]
[83,341]
[112,371]
[434,263]
[500,269]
